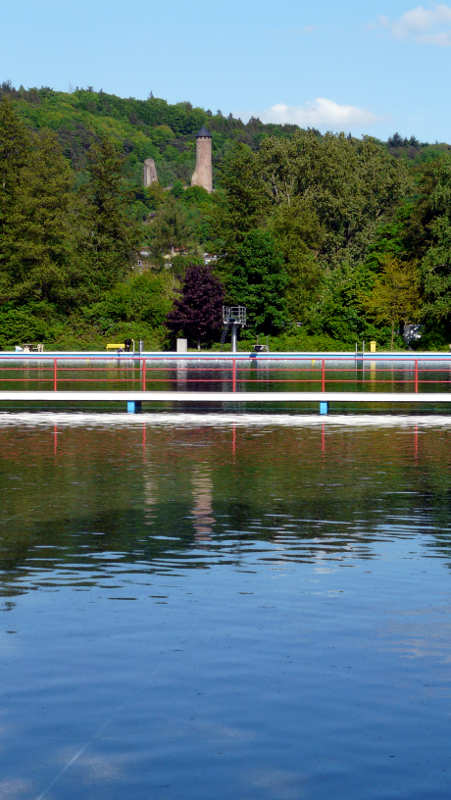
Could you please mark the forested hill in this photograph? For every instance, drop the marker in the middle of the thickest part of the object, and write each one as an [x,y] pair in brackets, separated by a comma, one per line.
[155,129]
[327,239]
[142,129]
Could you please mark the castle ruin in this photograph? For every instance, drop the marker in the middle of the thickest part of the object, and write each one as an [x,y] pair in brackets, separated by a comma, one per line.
[150,172]
[203,172]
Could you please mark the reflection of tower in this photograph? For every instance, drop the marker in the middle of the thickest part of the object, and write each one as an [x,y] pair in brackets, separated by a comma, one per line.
[150,172]
[150,496]
[203,173]
[203,503]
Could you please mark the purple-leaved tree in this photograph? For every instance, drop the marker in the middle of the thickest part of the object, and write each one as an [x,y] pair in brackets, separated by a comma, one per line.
[197,313]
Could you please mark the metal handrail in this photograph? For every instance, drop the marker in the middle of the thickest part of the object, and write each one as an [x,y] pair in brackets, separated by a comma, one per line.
[142,372]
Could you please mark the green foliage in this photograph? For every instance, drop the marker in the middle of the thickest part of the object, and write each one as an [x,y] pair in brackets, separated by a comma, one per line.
[169,230]
[60,247]
[304,342]
[395,296]
[177,189]
[299,234]
[347,183]
[110,239]
[196,195]
[38,240]
[436,264]
[256,279]
[15,147]
[14,150]
[244,203]
[180,263]
[146,297]
[32,322]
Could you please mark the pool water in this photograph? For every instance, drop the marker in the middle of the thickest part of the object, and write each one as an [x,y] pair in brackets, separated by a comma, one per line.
[224,606]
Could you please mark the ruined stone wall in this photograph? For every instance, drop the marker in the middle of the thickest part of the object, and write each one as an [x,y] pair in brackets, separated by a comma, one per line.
[150,172]
[203,173]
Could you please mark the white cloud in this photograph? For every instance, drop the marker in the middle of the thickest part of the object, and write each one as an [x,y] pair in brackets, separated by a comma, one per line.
[424,25]
[320,113]
[14,789]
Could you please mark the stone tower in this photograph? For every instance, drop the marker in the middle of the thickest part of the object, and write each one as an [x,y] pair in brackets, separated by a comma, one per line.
[203,173]
[150,172]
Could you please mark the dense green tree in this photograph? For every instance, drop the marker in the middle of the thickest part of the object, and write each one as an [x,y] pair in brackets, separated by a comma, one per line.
[391,237]
[298,234]
[143,297]
[110,238]
[198,205]
[257,280]
[339,312]
[436,264]
[348,184]
[15,150]
[244,204]
[322,198]
[38,234]
[169,230]
[395,297]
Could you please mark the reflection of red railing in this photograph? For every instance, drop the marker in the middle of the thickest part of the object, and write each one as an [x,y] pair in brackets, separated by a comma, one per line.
[141,372]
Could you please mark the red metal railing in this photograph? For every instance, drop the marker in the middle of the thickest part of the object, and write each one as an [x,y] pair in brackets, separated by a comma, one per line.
[142,372]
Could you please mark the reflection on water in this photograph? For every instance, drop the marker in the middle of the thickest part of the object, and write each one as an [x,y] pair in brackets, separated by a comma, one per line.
[239,606]
[203,519]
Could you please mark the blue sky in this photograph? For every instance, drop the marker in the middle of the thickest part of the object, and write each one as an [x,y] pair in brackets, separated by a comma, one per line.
[374,67]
